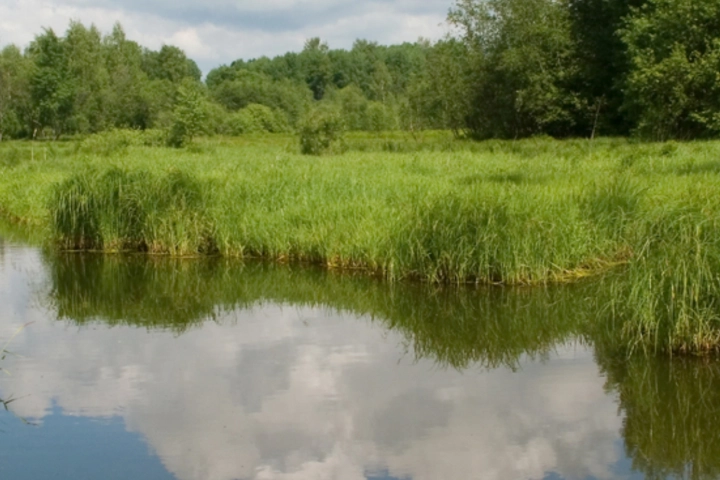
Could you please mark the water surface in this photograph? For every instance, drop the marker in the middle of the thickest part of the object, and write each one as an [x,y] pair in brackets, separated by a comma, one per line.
[168,369]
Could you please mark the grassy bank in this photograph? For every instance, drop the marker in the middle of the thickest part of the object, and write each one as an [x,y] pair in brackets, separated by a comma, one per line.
[428,207]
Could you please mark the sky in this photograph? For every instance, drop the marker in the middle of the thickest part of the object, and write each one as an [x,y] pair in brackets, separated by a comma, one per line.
[216,32]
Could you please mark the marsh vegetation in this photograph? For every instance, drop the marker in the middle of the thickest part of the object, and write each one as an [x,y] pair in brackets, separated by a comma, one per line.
[642,217]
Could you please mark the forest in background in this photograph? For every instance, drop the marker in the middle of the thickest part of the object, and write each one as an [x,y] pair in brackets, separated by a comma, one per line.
[510,69]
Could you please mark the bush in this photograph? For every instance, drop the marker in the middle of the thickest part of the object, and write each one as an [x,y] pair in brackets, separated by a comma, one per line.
[154,137]
[189,115]
[380,118]
[216,118]
[322,131]
[256,118]
[110,142]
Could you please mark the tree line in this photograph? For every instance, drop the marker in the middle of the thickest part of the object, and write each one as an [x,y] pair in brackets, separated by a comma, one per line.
[509,69]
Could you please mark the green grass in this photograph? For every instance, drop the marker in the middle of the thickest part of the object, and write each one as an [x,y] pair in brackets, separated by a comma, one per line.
[423,207]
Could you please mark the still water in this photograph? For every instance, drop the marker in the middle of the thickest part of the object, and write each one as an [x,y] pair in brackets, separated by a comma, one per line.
[137,368]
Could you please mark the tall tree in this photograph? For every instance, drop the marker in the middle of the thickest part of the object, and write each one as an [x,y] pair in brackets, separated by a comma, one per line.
[673,87]
[316,65]
[380,82]
[189,115]
[128,101]
[170,63]
[526,65]
[440,97]
[88,77]
[603,59]
[15,109]
[51,85]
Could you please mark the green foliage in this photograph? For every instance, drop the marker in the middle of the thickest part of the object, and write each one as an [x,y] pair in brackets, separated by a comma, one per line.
[524,63]
[515,68]
[120,210]
[216,117]
[84,83]
[245,88]
[85,62]
[256,119]
[353,104]
[317,67]
[189,116]
[672,86]
[603,62]
[128,98]
[441,96]
[110,142]
[380,117]
[51,87]
[518,212]
[171,64]
[321,131]
[15,73]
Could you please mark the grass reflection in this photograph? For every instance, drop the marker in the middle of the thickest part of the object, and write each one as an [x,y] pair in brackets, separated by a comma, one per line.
[672,414]
[455,327]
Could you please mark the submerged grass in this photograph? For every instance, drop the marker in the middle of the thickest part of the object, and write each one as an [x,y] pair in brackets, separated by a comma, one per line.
[525,212]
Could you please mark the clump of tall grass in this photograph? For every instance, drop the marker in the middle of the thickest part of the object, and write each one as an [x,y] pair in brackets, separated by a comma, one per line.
[10,157]
[110,142]
[668,298]
[115,210]
[494,237]
[119,141]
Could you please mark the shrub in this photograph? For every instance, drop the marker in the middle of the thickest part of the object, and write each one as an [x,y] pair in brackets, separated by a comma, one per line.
[321,131]
[110,142]
[380,117]
[256,118]
[189,115]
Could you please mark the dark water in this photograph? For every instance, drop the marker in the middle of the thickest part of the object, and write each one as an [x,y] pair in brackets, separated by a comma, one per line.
[137,368]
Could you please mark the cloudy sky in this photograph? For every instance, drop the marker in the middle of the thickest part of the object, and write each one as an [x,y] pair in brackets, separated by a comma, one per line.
[214,32]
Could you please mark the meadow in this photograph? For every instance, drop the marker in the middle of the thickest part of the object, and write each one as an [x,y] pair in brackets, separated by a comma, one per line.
[644,217]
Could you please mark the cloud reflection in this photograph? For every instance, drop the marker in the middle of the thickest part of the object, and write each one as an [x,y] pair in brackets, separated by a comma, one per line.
[284,392]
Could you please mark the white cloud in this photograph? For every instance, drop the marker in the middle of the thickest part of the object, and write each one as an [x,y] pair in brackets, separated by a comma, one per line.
[220,31]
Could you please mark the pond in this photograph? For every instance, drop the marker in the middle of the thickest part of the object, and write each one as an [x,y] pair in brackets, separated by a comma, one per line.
[148,368]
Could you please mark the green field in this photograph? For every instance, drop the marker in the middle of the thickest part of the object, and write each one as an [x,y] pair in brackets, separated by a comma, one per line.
[644,217]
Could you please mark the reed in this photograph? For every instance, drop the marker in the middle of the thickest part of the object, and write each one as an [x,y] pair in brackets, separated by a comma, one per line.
[121,210]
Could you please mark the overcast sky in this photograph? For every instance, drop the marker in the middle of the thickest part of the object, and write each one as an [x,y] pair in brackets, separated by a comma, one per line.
[215,32]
